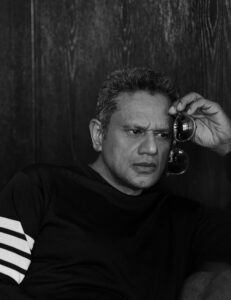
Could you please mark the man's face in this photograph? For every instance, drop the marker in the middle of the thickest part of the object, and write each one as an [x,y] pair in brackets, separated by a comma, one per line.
[136,146]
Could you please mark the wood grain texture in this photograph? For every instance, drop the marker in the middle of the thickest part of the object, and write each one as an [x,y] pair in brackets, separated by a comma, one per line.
[16,128]
[57,53]
[206,180]
[78,43]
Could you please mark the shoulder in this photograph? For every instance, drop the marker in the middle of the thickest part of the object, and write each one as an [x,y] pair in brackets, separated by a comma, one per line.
[50,176]
[47,172]
[40,177]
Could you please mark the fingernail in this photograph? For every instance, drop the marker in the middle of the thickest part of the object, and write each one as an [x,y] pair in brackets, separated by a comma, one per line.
[172,110]
[179,106]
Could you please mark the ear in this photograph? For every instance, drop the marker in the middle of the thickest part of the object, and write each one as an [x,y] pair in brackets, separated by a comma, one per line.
[96,134]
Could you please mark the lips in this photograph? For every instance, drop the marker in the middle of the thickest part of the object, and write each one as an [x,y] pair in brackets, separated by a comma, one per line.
[145,164]
[145,167]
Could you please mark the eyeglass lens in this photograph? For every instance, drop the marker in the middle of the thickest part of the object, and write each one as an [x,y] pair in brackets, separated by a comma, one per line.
[183,130]
[178,161]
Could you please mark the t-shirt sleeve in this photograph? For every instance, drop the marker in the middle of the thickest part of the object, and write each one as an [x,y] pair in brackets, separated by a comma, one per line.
[22,207]
[212,237]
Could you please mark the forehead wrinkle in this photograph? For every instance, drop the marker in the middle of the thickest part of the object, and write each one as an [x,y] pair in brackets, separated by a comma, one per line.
[141,119]
[131,111]
[147,125]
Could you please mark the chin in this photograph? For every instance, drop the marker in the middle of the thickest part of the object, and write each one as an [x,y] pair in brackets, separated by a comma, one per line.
[146,184]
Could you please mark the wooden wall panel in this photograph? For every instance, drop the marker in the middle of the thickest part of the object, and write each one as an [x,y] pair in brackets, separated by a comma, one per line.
[16,107]
[57,53]
[78,42]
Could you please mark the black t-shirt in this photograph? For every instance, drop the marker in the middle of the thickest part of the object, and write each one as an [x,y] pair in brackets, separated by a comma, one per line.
[65,233]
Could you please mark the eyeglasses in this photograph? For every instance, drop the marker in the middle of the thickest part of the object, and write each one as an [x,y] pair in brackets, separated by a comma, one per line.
[183,131]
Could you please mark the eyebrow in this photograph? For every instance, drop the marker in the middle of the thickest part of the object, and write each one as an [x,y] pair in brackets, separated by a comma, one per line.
[136,126]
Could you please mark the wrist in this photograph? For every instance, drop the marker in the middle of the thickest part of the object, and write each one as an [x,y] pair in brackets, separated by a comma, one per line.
[222,149]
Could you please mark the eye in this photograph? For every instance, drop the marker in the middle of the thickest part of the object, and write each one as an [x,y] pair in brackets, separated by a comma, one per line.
[164,135]
[135,131]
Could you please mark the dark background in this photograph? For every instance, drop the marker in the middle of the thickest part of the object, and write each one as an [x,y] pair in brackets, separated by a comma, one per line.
[55,54]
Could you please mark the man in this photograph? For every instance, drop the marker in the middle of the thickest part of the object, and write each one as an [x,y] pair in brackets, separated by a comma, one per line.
[107,231]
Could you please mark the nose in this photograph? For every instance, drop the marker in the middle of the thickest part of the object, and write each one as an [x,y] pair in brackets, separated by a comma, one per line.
[148,145]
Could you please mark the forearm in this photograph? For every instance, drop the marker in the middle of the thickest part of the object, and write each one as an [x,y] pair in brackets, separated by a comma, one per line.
[223,149]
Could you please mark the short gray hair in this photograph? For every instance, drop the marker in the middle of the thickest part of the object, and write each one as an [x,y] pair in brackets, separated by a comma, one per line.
[130,80]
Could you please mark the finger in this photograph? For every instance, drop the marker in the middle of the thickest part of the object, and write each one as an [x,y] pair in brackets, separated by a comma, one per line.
[173,108]
[203,106]
[187,100]
[182,103]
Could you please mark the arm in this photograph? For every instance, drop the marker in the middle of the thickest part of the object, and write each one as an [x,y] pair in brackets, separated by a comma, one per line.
[21,207]
[9,291]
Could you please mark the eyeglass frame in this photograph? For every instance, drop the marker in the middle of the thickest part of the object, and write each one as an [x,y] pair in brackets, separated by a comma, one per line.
[175,140]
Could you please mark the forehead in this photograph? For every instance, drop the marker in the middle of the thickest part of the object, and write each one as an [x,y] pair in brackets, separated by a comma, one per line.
[143,107]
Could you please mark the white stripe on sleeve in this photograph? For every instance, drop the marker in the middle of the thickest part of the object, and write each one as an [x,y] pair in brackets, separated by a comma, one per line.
[15,242]
[30,241]
[24,245]
[17,276]
[15,259]
[17,227]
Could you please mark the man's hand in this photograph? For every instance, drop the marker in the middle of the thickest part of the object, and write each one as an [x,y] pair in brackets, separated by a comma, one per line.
[213,127]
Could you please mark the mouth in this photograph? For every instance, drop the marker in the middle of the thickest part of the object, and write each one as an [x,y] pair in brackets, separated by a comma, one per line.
[146,168]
